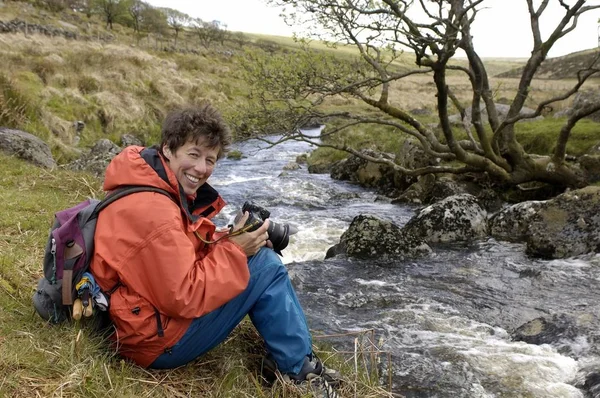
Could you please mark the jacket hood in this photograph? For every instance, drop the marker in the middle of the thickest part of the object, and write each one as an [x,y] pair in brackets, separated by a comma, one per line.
[136,165]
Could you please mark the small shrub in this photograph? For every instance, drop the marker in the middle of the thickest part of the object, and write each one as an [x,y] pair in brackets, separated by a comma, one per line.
[88,84]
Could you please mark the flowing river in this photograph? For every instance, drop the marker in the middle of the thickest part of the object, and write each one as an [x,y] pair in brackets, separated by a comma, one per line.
[446,319]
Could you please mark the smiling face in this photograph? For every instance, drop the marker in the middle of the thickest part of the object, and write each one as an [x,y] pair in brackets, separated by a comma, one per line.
[192,164]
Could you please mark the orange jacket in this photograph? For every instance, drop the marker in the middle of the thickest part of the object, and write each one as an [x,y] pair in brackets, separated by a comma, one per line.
[147,246]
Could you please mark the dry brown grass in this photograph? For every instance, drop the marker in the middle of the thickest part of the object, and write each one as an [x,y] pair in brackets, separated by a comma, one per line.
[113,88]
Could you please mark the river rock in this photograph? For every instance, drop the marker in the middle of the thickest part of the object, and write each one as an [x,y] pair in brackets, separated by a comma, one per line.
[369,237]
[320,168]
[560,331]
[456,218]
[565,226]
[551,330]
[591,385]
[97,159]
[371,175]
[27,147]
[512,223]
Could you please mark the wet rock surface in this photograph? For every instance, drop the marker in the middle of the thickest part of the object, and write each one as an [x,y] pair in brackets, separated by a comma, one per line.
[370,237]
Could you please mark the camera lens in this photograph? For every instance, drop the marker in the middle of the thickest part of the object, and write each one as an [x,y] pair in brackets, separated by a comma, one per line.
[279,235]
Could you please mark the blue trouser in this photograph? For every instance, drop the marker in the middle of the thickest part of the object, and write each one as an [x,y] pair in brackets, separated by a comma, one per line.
[274,310]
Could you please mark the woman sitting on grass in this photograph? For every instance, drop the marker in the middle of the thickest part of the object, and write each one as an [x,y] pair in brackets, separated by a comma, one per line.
[176,289]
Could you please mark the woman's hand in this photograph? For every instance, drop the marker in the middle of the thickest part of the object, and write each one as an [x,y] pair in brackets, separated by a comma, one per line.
[251,242]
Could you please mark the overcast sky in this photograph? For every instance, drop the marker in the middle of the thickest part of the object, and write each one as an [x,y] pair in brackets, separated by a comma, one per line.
[500,31]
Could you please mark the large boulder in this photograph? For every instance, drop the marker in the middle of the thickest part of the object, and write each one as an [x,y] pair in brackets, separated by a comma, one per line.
[369,237]
[456,218]
[567,225]
[512,223]
[561,227]
[97,159]
[26,146]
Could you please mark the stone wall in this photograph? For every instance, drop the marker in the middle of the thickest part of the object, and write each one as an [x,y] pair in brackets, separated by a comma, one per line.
[19,26]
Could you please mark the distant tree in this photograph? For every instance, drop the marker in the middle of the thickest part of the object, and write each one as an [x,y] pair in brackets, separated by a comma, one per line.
[239,38]
[153,20]
[111,10]
[136,9]
[209,32]
[294,88]
[176,20]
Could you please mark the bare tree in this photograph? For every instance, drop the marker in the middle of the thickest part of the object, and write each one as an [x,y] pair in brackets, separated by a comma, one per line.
[433,31]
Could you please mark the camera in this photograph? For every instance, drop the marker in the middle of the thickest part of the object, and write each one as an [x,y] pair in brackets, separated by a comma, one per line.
[279,234]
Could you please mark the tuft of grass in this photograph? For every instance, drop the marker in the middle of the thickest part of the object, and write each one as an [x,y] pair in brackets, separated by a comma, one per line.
[71,360]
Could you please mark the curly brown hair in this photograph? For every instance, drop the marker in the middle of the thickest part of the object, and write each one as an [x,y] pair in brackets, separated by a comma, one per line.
[194,123]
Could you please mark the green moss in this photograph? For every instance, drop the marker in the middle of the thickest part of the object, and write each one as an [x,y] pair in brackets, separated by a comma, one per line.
[235,155]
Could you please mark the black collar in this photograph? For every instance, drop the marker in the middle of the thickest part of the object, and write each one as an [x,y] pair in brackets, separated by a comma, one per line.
[205,195]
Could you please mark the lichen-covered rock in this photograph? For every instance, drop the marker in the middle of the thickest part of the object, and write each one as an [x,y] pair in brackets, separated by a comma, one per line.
[97,159]
[369,237]
[566,226]
[512,223]
[456,218]
[26,146]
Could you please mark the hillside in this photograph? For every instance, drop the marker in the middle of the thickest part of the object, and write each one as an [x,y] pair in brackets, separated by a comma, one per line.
[63,67]
[565,67]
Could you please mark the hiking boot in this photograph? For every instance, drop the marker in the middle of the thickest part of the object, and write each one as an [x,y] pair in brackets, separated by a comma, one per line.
[321,381]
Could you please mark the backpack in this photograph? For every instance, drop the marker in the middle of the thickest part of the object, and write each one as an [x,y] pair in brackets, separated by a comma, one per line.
[67,258]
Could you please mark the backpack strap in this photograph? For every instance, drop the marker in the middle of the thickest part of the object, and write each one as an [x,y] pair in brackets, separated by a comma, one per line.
[118,194]
[128,190]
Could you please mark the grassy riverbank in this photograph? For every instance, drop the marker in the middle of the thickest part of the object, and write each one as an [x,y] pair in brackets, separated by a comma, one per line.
[71,361]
